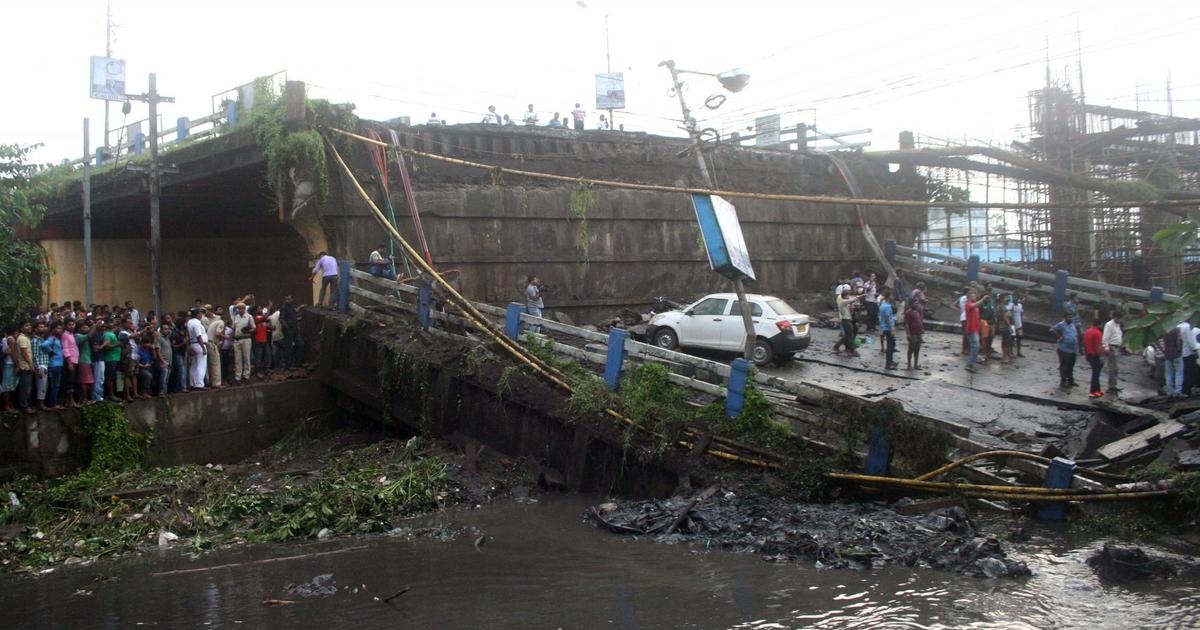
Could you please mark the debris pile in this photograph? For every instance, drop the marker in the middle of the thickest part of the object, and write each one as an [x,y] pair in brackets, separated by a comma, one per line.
[838,535]
[1125,564]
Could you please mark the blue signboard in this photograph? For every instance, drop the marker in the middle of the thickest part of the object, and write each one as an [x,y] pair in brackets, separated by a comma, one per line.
[722,233]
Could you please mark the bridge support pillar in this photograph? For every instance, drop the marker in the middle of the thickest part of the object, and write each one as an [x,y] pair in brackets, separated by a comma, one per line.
[512,320]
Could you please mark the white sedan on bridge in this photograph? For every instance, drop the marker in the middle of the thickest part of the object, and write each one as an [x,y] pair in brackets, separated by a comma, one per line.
[715,322]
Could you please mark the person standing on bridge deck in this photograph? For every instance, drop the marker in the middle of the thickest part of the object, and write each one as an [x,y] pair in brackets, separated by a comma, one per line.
[971,326]
[197,351]
[1071,305]
[845,298]
[1018,318]
[1093,351]
[1172,345]
[530,117]
[327,268]
[491,117]
[556,121]
[1066,332]
[1190,353]
[887,327]
[914,328]
[900,292]
[962,319]
[603,125]
[433,119]
[870,290]
[579,115]
[533,300]
[1114,338]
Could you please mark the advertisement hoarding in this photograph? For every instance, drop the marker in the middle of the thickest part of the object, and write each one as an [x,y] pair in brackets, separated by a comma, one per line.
[610,90]
[723,240]
[108,79]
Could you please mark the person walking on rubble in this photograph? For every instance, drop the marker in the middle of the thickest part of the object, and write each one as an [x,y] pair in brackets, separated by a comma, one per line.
[971,326]
[914,328]
[845,298]
[1065,332]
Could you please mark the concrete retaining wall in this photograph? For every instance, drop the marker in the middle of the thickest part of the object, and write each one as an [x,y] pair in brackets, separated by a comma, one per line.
[221,426]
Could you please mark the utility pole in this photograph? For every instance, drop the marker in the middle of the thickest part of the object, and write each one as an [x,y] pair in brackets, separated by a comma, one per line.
[612,122]
[693,130]
[87,214]
[155,171]
[107,55]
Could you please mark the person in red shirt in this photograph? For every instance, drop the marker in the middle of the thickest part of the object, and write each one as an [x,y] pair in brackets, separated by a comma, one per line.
[1093,350]
[971,326]
[262,341]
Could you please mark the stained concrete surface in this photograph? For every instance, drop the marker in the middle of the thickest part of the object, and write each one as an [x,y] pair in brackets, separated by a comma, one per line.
[1018,404]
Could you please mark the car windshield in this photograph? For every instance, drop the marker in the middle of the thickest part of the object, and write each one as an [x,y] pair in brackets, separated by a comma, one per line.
[782,308]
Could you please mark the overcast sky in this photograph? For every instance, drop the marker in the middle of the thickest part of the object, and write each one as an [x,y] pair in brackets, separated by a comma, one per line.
[957,70]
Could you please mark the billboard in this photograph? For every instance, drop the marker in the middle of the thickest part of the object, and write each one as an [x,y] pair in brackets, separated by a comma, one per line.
[723,241]
[108,79]
[766,130]
[610,90]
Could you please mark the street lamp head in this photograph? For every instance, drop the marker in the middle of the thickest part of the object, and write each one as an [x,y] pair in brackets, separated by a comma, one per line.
[734,80]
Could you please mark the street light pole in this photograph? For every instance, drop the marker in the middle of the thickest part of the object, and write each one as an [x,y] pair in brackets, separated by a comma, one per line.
[612,121]
[693,130]
[87,214]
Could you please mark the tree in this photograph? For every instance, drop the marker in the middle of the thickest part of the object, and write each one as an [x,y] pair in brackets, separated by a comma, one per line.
[1143,331]
[23,262]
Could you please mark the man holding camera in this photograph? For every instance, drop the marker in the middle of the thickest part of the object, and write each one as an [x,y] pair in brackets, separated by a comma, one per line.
[533,300]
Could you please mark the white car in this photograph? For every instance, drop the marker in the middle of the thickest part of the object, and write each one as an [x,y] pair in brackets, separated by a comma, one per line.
[715,322]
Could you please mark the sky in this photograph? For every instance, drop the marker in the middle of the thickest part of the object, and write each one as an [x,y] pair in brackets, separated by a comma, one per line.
[957,71]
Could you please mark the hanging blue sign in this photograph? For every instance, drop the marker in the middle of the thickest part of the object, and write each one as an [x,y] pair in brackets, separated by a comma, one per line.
[722,233]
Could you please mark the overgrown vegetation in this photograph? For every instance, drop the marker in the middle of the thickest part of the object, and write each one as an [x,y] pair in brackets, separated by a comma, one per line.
[23,261]
[97,512]
[404,379]
[114,447]
[756,423]
[583,199]
[1143,331]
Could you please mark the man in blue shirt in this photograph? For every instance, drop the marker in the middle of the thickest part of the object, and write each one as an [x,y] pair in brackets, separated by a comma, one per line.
[887,326]
[1068,346]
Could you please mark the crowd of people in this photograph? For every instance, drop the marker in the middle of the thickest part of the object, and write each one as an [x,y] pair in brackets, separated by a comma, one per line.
[71,355]
[576,120]
[986,313]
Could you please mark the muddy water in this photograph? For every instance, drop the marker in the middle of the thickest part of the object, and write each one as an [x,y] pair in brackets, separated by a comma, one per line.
[539,566]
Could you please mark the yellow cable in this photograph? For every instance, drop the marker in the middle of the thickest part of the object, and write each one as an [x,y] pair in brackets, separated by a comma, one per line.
[825,199]
[1000,454]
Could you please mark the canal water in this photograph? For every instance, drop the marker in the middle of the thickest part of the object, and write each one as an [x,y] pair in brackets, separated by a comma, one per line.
[536,564]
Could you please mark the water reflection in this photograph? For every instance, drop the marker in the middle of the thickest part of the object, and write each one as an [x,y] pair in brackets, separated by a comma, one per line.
[543,568]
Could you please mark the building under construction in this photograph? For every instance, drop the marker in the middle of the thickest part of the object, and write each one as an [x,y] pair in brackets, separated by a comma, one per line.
[1071,152]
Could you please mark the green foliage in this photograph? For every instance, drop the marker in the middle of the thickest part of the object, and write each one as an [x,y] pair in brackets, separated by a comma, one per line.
[1143,331]
[298,154]
[23,262]
[113,446]
[1181,236]
[755,425]
[648,397]
[356,491]
[590,394]
[1126,190]
[404,379]
[940,190]
[583,199]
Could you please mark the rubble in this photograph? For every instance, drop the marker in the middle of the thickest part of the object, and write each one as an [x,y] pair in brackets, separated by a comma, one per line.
[836,535]
[1125,564]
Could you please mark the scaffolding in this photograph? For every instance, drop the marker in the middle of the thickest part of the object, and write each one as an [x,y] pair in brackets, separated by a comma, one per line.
[1114,245]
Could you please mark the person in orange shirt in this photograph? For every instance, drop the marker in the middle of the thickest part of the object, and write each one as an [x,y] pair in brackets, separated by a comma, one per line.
[1093,350]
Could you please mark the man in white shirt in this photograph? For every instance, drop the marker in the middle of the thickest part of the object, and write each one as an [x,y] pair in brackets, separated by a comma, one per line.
[491,117]
[1191,352]
[433,119]
[530,118]
[1113,339]
[579,115]
[962,318]
[197,351]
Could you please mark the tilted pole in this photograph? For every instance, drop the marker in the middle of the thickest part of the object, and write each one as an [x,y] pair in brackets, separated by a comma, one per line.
[155,171]
[87,215]
[693,130]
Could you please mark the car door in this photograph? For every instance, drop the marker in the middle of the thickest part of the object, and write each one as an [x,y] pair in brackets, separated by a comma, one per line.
[733,329]
[702,327]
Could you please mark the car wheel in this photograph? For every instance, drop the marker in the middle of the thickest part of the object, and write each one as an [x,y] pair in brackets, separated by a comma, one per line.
[762,352]
[666,339]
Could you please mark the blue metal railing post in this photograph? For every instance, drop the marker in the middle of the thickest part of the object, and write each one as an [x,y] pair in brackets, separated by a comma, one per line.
[1156,295]
[616,357]
[879,453]
[424,304]
[512,320]
[139,141]
[1058,475]
[182,127]
[343,286]
[739,375]
[889,251]
[231,113]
